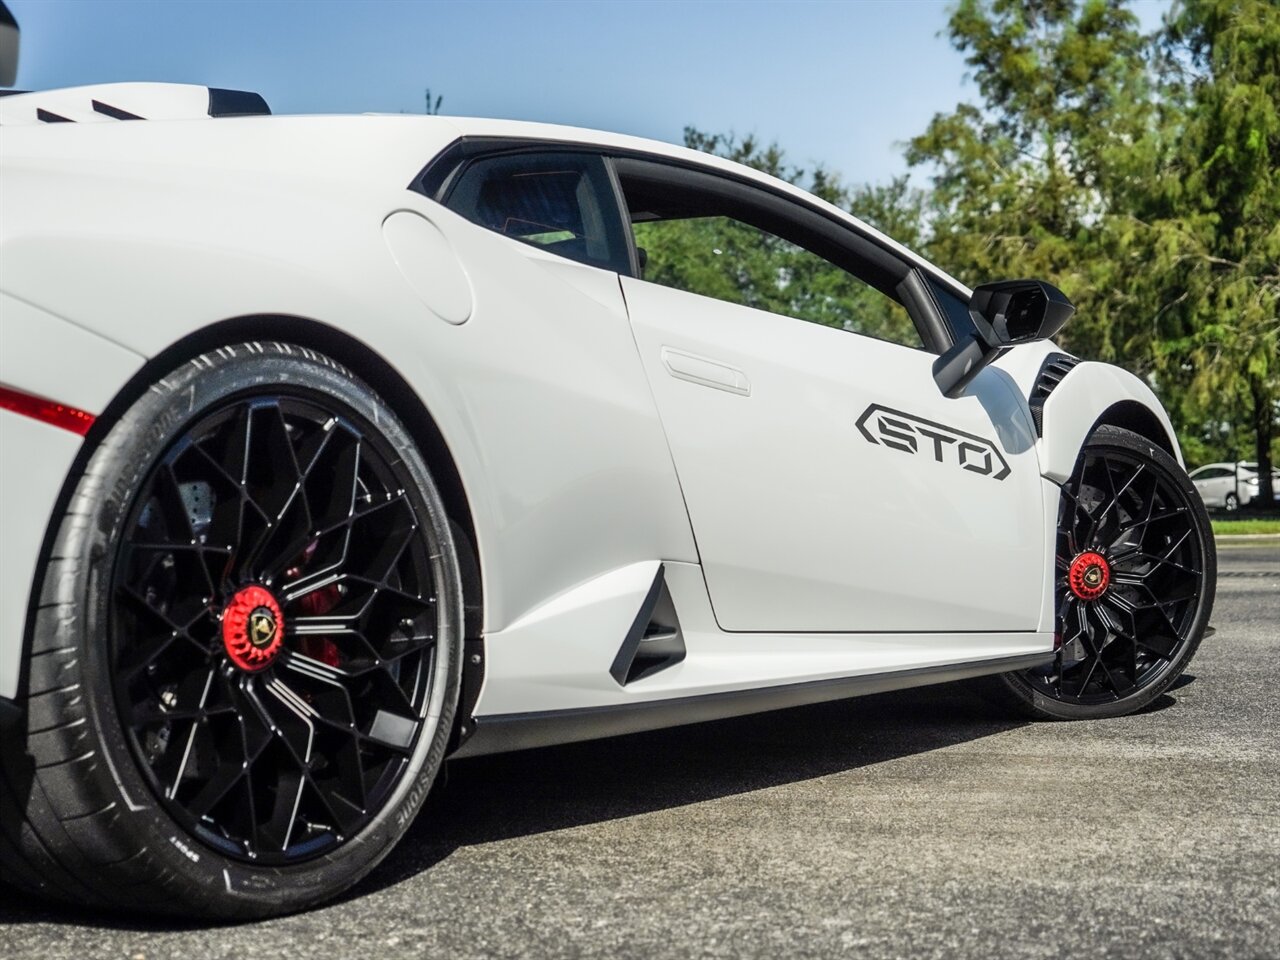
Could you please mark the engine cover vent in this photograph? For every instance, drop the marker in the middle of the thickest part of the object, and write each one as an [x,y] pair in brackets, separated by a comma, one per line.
[1055,367]
[106,102]
[654,641]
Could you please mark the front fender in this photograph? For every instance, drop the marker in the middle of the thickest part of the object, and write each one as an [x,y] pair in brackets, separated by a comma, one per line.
[1090,394]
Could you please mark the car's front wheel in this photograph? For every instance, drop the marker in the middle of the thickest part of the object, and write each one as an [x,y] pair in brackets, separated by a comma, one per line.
[245,657]
[1134,588]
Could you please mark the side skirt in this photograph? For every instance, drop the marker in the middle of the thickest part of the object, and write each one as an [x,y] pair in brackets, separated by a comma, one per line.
[503,733]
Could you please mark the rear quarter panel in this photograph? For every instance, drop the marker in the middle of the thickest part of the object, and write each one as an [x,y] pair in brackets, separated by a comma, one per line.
[147,233]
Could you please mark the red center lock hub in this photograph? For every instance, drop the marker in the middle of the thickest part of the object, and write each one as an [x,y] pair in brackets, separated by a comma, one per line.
[252,628]
[1089,576]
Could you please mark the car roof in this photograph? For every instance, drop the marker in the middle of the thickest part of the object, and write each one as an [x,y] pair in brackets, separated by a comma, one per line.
[195,111]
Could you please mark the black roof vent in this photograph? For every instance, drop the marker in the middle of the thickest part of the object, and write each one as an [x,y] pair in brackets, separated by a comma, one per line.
[236,103]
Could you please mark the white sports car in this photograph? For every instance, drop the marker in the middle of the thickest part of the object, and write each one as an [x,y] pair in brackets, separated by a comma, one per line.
[337,446]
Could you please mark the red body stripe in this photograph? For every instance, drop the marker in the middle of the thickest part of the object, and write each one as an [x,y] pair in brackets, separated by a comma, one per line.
[46,411]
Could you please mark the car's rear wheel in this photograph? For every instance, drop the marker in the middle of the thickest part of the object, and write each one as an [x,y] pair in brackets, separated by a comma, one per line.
[245,660]
[1134,588]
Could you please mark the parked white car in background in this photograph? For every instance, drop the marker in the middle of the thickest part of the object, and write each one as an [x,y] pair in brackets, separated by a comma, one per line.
[334,446]
[1228,486]
[1254,487]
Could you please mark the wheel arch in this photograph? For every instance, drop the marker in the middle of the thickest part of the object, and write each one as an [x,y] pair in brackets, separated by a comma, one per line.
[1093,395]
[1133,416]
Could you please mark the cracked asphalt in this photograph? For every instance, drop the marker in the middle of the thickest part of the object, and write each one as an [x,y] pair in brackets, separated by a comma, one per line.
[916,824]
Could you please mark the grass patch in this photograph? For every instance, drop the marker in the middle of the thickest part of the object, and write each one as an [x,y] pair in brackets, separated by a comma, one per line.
[1246,526]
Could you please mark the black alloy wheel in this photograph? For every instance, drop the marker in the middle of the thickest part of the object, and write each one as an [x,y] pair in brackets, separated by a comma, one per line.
[1135,573]
[247,658]
[273,627]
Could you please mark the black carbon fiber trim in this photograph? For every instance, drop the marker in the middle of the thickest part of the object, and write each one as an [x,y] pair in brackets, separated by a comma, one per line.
[1055,367]
[236,103]
[107,110]
[521,731]
[655,640]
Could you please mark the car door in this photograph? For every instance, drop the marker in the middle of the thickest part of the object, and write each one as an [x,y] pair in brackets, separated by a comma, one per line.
[830,485]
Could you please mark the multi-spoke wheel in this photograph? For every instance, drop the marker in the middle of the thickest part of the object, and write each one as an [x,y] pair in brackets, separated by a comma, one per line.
[1134,585]
[263,663]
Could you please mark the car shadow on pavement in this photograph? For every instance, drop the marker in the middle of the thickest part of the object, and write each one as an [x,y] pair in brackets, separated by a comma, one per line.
[489,799]
[494,798]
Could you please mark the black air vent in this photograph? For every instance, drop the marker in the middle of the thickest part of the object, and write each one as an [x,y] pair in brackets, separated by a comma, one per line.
[1055,367]
[654,641]
[107,110]
[236,103]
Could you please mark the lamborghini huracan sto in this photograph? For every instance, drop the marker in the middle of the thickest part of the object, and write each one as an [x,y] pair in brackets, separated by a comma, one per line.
[334,447]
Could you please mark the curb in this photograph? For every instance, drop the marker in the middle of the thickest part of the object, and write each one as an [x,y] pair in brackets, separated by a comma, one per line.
[1245,537]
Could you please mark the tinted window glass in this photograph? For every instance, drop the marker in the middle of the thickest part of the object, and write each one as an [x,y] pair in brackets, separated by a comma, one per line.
[563,203]
[725,258]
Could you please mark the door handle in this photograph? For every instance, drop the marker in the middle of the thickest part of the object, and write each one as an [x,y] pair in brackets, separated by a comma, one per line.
[705,372]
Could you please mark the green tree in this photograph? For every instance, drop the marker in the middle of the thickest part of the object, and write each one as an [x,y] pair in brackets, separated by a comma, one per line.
[1215,218]
[1138,174]
[1030,182]
[735,262]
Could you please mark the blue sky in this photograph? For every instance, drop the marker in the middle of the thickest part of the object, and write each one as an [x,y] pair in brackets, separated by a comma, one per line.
[844,83]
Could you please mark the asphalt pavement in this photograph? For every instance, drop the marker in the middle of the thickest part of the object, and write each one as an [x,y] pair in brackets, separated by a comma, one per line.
[917,824]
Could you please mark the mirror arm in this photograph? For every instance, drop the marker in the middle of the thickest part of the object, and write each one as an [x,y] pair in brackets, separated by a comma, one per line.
[955,369]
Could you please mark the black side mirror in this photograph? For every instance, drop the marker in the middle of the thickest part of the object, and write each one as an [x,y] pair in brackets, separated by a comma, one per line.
[1005,313]
[1019,311]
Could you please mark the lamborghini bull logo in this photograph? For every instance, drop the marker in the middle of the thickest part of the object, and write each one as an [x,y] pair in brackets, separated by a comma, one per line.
[262,627]
[910,434]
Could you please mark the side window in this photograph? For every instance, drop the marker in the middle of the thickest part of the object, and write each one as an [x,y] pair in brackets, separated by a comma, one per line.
[728,259]
[562,202]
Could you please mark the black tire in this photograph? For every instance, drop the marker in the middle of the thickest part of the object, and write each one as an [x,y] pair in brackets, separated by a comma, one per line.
[85,813]
[1231,503]
[1120,650]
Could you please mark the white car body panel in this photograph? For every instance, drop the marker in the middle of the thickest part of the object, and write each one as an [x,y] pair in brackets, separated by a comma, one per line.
[802,524]
[34,460]
[1072,411]
[573,414]
[41,354]
[557,395]
[549,660]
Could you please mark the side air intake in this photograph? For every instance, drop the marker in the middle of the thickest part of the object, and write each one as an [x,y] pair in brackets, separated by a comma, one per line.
[654,641]
[1055,367]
